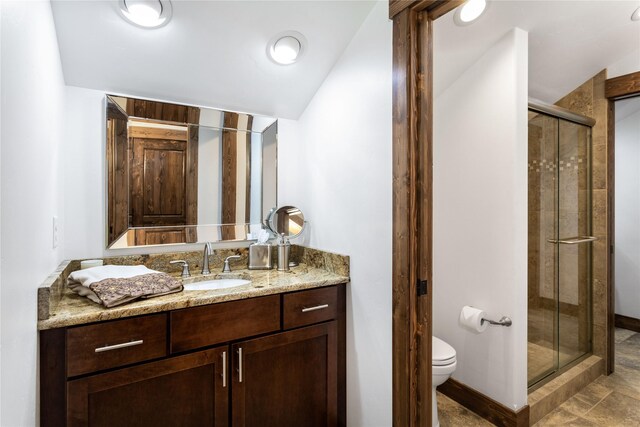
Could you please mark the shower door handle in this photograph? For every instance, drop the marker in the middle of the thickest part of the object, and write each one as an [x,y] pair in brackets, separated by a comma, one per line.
[573,240]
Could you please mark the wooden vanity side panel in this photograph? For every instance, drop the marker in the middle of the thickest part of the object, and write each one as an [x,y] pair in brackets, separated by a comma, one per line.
[199,327]
[53,377]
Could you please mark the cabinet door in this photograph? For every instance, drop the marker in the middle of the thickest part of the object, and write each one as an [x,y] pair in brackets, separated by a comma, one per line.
[190,390]
[286,379]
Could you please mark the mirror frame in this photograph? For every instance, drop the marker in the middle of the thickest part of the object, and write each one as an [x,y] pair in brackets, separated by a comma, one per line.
[190,116]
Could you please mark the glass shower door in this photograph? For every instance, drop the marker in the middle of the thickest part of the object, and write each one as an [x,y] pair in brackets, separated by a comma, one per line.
[574,242]
[559,265]
[542,352]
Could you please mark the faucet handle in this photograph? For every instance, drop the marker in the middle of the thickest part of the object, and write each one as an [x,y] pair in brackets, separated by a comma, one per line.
[226,268]
[185,267]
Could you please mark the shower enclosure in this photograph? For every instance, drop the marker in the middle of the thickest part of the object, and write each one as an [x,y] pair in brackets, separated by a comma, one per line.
[560,239]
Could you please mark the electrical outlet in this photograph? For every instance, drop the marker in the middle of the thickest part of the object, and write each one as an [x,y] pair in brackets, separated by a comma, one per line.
[55,232]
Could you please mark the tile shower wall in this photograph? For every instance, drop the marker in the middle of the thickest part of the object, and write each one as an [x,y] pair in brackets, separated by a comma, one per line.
[543,200]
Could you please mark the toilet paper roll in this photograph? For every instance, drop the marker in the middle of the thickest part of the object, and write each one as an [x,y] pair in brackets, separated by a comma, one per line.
[471,318]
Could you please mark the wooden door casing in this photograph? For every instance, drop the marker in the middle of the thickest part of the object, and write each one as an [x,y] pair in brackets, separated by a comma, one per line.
[288,379]
[181,391]
[412,124]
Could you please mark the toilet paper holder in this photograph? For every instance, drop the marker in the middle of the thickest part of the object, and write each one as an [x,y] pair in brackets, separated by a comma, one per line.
[504,321]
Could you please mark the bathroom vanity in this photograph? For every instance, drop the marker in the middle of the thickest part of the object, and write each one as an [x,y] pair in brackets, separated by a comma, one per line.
[271,353]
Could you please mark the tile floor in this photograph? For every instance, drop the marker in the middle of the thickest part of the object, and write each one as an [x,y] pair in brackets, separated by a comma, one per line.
[610,401]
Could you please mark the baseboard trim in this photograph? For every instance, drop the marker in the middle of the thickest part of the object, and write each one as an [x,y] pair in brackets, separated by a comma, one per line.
[484,406]
[627,322]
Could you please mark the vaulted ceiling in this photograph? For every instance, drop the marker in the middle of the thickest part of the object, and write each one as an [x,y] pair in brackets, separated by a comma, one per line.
[212,53]
[569,41]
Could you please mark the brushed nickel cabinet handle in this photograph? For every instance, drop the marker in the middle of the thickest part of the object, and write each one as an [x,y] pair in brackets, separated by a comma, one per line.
[240,364]
[317,307]
[224,369]
[117,346]
[573,240]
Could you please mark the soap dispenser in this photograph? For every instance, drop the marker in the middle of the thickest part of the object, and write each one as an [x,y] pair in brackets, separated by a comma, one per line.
[284,247]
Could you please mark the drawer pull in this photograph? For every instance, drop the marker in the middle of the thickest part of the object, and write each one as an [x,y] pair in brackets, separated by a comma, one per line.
[240,364]
[224,369]
[317,307]
[117,346]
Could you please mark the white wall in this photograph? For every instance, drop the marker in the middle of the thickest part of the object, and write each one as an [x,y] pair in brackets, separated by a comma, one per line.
[627,209]
[335,164]
[480,218]
[628,64]
[31,187]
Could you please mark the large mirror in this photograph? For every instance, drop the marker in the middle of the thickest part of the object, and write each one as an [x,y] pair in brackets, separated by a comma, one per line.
[182,174]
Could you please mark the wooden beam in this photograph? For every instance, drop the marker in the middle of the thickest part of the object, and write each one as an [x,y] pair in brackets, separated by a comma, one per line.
[158,133]
[623,87]
[229,174]
[436,8]
[440,8]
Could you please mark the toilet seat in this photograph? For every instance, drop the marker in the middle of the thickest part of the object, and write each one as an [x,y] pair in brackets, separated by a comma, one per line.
[442,354]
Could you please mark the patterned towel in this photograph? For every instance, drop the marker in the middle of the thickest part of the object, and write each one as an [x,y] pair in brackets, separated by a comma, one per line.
[113,285]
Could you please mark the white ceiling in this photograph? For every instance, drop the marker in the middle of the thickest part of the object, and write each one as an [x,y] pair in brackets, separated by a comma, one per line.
[212,53]
[569,41]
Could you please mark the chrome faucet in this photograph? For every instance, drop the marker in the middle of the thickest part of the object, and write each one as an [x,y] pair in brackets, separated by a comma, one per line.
[205,258]
[227,268]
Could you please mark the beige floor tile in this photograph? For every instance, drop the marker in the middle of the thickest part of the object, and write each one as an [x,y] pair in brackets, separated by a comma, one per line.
[451,414]
[562,417]
[623,334]
[584,401]
[616,409]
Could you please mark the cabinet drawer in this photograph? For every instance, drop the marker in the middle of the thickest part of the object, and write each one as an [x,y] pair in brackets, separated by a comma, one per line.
[117,343]
[307,307]
[212,324]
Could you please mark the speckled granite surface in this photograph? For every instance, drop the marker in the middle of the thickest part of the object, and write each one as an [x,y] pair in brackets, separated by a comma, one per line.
[59,307]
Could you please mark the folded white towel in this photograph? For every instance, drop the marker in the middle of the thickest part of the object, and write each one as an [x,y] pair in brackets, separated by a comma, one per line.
[95,274]
[80,282]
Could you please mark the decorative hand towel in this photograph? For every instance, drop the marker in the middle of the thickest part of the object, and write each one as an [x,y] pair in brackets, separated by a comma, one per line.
[113,285]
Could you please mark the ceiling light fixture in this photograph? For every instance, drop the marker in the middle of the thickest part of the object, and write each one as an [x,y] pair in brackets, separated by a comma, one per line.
[469,11]
[635,16]
[146,13]
[286,48]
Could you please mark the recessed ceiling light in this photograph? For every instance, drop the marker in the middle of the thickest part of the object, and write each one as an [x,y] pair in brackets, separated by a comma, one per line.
[146,13]
[635,16]
[286,48]
[469,11]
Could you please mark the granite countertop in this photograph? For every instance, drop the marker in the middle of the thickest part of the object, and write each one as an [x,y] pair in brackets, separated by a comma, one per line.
[59,307]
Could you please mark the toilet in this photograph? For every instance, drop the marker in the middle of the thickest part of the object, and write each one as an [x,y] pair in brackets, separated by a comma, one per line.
[443,363]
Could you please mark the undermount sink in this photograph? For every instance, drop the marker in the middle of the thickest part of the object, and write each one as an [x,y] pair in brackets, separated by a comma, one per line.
[215,284]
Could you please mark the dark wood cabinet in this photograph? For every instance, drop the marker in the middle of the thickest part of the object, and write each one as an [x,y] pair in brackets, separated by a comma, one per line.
[287,379]
[181,391]
[237,363]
